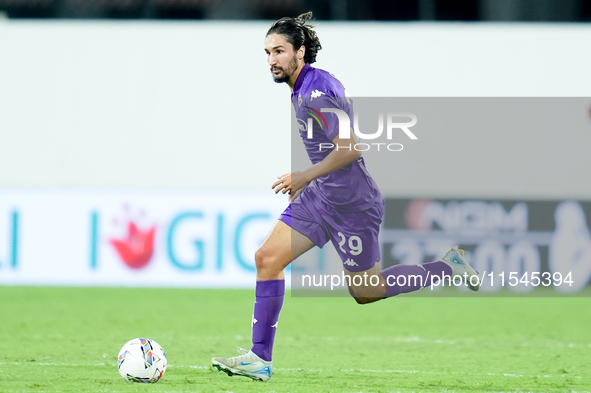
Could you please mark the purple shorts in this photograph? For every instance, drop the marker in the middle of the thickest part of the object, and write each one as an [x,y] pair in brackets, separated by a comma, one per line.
[353,234]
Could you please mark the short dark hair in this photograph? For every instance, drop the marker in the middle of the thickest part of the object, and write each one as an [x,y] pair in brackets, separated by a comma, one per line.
[299,33]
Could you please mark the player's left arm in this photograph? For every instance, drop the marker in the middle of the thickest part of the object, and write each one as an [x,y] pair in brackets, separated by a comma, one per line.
[342,155]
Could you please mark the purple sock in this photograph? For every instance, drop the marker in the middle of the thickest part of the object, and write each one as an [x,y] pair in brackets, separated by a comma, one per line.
[425,271]
[269,299]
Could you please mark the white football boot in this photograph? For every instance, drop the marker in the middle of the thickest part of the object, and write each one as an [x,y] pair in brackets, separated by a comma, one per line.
[455,259]
[247,364]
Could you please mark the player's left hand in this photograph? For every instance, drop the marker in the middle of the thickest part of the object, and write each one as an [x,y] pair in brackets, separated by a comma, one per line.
[290,182]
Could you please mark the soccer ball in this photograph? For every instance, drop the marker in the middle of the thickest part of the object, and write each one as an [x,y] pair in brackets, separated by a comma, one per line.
[142,360]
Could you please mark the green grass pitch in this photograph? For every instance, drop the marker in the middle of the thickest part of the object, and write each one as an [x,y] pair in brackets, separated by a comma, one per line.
[67,340]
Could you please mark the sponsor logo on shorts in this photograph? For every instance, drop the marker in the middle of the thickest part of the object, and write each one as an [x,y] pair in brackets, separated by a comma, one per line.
[350,262]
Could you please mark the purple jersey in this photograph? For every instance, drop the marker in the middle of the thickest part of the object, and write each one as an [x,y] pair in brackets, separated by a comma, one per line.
[349,188]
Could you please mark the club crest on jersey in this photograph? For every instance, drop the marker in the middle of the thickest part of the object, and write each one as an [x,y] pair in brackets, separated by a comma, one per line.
[315,94]
[300,100]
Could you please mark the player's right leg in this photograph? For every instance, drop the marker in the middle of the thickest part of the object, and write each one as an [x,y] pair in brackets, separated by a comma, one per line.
[282,246]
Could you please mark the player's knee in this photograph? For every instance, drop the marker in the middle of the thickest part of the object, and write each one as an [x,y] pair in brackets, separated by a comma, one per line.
[261,259]
[364,300]
[264,260]
[365,295]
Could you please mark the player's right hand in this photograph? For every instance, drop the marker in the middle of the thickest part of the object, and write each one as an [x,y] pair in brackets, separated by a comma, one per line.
[283,184]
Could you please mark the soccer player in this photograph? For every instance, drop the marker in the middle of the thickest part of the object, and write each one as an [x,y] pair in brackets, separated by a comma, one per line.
[334,199]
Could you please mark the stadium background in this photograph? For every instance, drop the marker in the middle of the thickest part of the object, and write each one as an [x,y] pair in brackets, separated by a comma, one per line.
[137,149]
[173,127]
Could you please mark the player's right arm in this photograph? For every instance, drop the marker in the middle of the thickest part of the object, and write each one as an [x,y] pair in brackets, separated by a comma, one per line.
[343,154]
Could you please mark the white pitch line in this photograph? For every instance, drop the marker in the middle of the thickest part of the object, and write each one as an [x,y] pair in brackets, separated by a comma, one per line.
[469,341]
[363,370]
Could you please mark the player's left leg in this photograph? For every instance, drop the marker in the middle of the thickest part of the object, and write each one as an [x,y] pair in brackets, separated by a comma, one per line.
[374,284]
[355,236]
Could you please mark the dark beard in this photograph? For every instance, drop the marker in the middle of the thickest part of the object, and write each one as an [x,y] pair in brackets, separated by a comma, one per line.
[293,65]
[282,79]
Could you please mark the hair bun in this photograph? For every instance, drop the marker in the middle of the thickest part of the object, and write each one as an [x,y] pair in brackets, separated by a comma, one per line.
[298,33]
[303,18]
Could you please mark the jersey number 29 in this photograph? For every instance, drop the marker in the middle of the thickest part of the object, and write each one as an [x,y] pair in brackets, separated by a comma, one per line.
[354,244]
